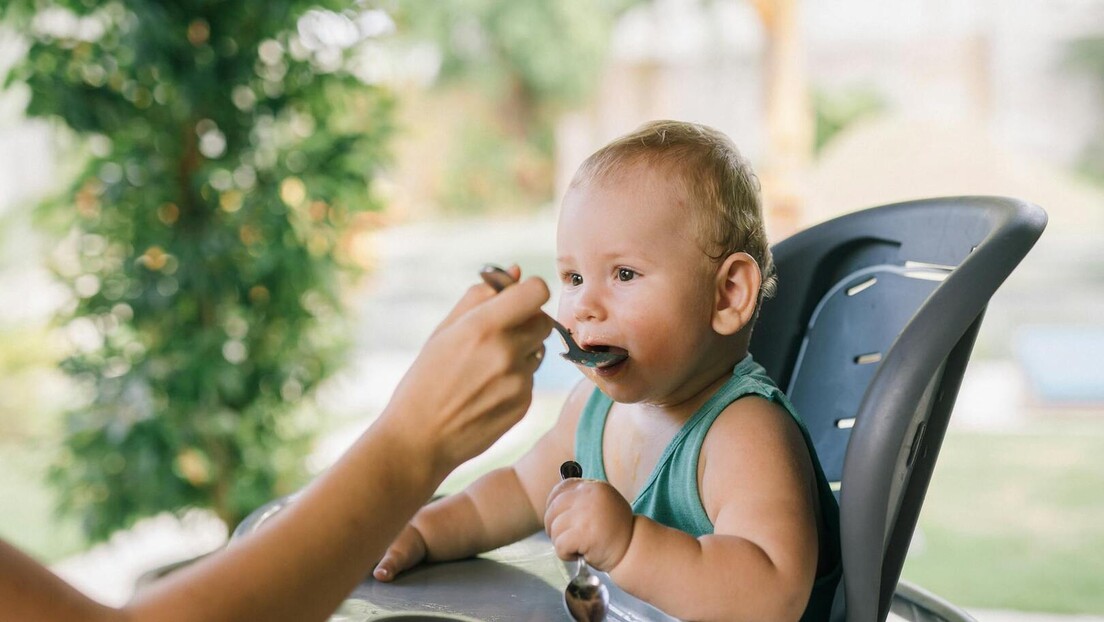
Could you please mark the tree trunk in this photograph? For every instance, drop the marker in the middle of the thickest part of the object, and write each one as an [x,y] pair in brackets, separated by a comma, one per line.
[789,117]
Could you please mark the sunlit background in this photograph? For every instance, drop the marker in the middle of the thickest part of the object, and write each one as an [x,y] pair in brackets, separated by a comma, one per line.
[225,232]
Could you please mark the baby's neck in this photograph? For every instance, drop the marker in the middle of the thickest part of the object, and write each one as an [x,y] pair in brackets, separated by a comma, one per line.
[714,372]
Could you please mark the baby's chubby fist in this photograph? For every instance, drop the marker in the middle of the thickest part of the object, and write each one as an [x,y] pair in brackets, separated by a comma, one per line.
[589,518]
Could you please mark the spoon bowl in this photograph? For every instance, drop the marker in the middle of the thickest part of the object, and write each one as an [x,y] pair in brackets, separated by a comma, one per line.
[499,279]
[586,597]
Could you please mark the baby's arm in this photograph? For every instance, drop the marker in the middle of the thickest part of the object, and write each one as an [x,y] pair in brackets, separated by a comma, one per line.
[759,490]
[501,507]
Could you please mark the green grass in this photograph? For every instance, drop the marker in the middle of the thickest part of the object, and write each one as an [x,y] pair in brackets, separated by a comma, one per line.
[27,519]
[1016,521]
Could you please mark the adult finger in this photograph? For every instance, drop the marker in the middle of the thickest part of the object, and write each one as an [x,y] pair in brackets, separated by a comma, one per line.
[515,304]
[534,360]
[472,298]
[529,336]
[476,294]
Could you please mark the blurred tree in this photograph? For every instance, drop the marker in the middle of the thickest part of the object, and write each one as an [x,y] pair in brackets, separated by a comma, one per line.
[790,120]
[229,148]
[530,60]
[836,110]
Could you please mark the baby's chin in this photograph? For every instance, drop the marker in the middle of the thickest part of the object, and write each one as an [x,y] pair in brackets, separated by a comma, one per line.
[620,382]
[621,394]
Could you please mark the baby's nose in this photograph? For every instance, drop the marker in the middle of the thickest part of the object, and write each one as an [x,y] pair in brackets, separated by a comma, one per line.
[587,305]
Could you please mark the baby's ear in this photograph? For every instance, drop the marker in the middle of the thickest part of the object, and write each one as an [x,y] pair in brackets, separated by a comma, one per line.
[737,292]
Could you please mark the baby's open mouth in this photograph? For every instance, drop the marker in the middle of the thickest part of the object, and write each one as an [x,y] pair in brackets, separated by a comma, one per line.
[619,354]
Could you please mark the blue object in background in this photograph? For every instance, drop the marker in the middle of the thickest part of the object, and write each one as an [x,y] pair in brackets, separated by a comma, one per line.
[1062,362]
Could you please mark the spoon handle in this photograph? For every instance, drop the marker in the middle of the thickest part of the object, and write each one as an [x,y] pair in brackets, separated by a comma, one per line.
[496,277]
[570,469]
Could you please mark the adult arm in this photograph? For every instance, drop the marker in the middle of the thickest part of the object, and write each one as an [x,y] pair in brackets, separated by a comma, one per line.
[471,382]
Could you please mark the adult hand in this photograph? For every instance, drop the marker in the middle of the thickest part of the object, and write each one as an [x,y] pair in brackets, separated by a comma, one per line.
[474,378]
[589,518]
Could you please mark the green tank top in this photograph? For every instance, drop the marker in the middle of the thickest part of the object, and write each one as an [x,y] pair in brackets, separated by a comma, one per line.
[671,497]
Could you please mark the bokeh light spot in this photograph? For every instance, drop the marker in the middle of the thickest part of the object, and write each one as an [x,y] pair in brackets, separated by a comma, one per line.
[198,32]
[293,191]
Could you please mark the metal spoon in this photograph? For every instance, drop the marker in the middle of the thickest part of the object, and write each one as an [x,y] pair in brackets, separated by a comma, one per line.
[499,279]
[585,597]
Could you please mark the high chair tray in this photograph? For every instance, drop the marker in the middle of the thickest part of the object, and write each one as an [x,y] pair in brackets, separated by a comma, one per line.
[523,581]
[520,581]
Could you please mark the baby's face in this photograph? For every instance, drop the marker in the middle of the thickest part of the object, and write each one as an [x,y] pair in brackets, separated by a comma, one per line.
[634,279]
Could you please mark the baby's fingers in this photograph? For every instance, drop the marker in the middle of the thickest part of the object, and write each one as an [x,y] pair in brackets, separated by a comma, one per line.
[393,562]
[557,513]
[406,551]
[567,538]
[391,565]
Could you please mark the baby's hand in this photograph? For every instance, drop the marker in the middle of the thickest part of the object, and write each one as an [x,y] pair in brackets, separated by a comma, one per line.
[589,518]
[408,550]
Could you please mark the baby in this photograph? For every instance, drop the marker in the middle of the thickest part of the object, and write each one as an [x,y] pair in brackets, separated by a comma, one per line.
[703,495]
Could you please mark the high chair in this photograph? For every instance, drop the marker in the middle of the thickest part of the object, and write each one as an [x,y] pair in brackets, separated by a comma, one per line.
[869,335]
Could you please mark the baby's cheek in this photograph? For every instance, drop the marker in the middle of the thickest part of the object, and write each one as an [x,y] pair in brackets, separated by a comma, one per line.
[564,314]
[645,334]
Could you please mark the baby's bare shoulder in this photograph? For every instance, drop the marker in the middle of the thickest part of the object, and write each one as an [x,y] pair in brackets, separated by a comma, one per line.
[752,421]
[754,447]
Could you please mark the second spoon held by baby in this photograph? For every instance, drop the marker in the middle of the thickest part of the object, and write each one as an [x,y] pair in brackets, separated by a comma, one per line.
[585,597]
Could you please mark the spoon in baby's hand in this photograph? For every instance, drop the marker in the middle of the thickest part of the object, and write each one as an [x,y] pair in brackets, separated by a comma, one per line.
[585,597]
[499,279]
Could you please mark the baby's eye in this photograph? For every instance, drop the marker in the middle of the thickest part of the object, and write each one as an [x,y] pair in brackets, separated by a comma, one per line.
[625,274]
[575,279]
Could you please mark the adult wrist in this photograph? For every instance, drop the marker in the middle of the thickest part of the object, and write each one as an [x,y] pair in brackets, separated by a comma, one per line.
[418,450]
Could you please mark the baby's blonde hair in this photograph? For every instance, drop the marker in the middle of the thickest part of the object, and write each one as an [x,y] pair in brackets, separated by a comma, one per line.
[718,181]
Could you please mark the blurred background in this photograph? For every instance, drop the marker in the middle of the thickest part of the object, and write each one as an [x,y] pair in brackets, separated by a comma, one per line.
[226,230]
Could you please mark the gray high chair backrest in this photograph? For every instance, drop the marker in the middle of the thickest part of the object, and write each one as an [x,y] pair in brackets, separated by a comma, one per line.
[870,333]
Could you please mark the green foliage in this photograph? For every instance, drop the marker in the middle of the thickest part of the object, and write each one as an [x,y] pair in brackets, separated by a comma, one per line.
[545,53]
[835,111]
[487,167]
[229,153]
[529,60]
